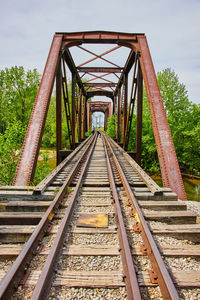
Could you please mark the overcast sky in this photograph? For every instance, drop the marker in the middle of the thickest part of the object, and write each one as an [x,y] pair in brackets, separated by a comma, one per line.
[171,26]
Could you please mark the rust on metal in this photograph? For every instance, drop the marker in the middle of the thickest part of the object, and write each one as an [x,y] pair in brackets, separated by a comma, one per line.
[15,273]
[165,281]
[29,154]
[49,227]
[102,85]
[136,227]
[27,272]
[100,56]
[143,249]
[101,106]
[44,283]
[153,277]
[38,249]
[92,220]
[47,180]
[139,115]
[58,114]
[170,170]
[132,212]
[130,278]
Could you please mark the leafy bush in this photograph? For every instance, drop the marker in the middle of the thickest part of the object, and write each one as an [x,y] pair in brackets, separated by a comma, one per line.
[42,169]
[111,131]
[184,121]
[9,151]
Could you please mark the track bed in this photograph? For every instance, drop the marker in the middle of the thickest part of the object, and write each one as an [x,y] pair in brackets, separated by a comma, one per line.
[112,233]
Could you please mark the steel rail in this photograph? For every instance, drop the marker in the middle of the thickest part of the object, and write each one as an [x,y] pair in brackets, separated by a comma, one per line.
[132,287]
[44,283]
[40,188]
[11,280]
[151,184]
[165,282]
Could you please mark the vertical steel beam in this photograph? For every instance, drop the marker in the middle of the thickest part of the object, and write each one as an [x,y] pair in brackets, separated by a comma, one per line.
[125,106]
[73,109]
[139,115]
[114,104]
[90,120]
[109,110]
[80,116]
[118,115]
[170,170]
[84,116]
[106,120]
[28,159]
[58,113]
[88,116]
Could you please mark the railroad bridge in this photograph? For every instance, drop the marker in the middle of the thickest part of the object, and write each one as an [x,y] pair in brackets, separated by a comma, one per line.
[97,225]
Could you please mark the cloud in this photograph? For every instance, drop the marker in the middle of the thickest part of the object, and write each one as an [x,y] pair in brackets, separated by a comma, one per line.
[171,27]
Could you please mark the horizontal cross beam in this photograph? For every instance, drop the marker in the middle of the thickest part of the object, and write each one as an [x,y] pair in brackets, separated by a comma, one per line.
[101,37]
[101,109]
[99,70]
[100,84]
[99,92]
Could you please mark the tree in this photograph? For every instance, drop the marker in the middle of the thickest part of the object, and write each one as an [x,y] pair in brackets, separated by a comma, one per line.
[183,118]
[111,127]
[149,151]
[18,90]
[9,151]
[184,122]
[49,135]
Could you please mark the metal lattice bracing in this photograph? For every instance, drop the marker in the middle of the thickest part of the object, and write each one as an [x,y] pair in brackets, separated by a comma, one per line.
[100,75]
[104,107]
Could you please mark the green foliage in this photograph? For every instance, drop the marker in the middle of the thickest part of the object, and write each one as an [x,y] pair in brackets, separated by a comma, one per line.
[68,190]
[183,118]
[111,131]
[49,135]
[184,122]
[149,150]
[88,133]
[43,168]
[9,152]
[18,90]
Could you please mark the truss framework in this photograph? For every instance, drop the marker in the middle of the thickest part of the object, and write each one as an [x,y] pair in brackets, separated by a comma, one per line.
[107,78]
[104,107]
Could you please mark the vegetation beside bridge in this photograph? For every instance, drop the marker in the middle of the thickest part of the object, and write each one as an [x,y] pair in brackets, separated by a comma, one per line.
[18,90]
[184,122]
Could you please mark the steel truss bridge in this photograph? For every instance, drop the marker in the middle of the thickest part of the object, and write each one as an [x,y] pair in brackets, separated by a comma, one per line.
[100,76]
[98,225]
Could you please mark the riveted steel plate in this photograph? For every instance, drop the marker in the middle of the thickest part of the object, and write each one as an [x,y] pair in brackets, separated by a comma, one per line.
[93,220]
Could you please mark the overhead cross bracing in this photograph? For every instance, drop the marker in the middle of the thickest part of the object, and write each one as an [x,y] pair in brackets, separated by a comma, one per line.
[107,78]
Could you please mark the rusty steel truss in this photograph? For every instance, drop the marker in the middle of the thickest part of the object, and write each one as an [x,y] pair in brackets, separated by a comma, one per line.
[107,79]
[104,107]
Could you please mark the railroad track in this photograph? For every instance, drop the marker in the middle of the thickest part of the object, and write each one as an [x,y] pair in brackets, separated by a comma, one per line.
[98,227]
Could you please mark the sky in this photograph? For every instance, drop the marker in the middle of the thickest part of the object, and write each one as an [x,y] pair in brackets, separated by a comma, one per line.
[172,28]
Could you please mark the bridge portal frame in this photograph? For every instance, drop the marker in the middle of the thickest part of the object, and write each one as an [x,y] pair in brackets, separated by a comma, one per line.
[104,107]
[59,50]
